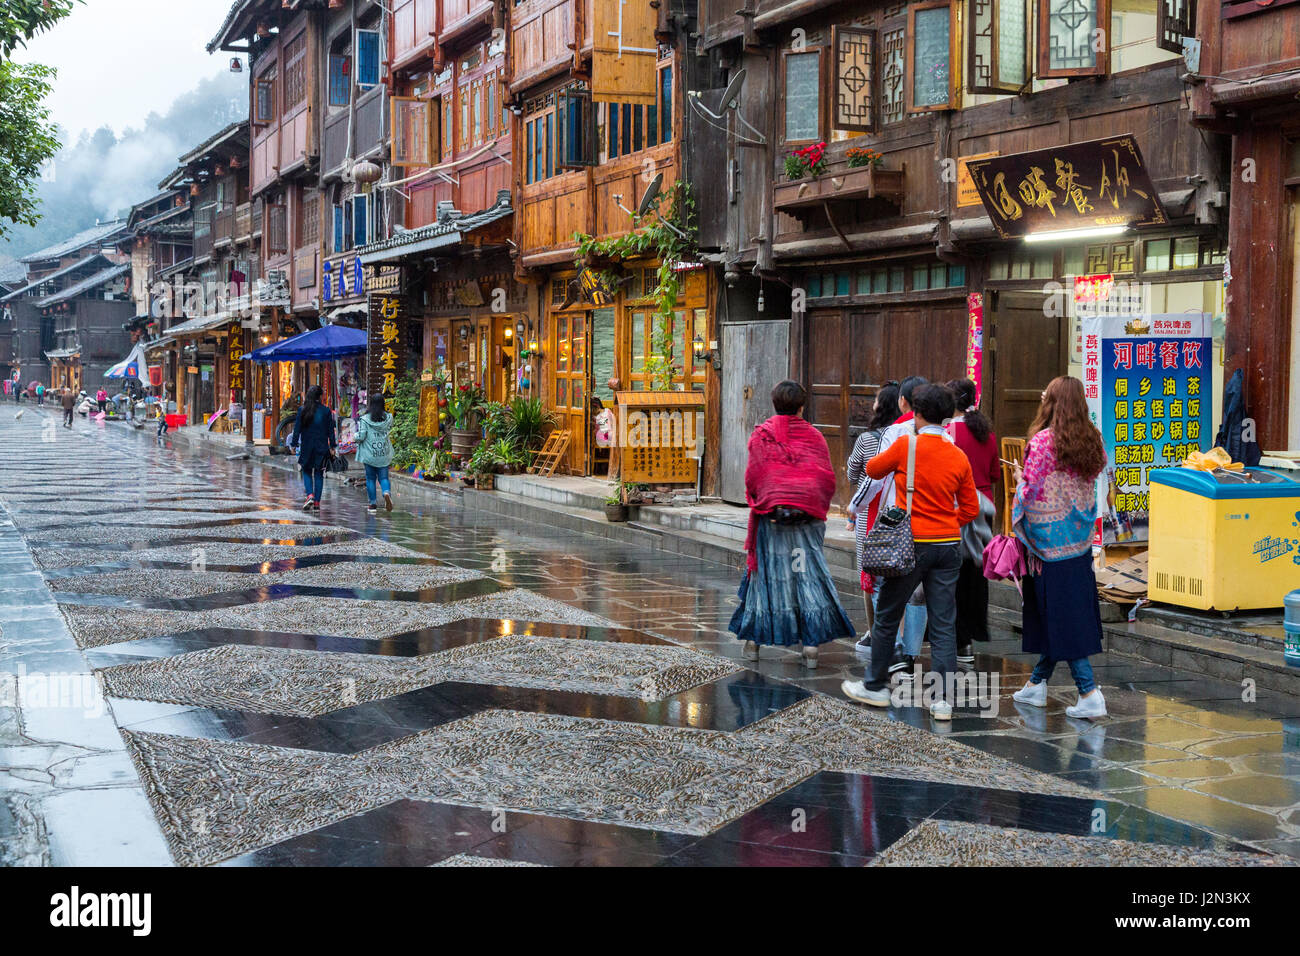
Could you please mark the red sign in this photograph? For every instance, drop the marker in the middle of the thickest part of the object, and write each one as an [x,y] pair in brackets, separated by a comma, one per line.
[975,342]
[1093,288]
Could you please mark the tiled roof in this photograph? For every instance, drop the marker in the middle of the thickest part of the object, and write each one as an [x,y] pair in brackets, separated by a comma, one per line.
[413,240]
[12,273]
[95,234]
[89,260]
[85,285]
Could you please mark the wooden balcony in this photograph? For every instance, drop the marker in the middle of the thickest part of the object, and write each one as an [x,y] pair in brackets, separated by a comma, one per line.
[223,225]
[244,222]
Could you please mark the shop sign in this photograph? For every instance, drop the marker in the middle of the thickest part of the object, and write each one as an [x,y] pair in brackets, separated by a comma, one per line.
[469,295]
[386,348]
[593,288]
[975,342]
[967,194]
[1099,183]
[235,353]
[427,424]
[1149,384]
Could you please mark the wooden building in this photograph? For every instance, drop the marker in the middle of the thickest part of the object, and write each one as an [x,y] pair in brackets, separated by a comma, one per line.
[597,90]
[1245,86]
[68,318]
[877,267]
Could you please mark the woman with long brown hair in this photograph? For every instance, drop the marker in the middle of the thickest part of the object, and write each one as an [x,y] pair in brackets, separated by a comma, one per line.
[1055,515]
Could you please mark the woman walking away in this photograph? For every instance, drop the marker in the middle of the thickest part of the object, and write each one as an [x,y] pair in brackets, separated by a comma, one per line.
[375,451]
[315,438]
[1054,515]
[973,434]
[861,510]
[942,499]
[787,597]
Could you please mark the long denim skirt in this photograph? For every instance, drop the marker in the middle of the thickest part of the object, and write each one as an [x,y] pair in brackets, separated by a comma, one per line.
[790,598]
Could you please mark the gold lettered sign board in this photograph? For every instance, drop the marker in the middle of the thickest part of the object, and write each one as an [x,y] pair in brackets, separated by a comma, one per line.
[1102,182]
[427,424]
[967,194]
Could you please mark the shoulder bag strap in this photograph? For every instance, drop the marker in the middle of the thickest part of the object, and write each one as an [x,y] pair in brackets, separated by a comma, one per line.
[911,470]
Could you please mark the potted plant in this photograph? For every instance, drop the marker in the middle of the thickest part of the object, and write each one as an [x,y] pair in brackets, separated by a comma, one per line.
[509,456]
[439,465]
[481,465]
[464,411]
[860,156]
[807,162]
[615,508]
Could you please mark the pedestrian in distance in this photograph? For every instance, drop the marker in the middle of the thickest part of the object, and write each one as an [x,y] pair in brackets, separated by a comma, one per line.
[316,439]
[40,395]
[972,432]
[862,512]
[1055,514]
[787,598]
[101,398]
[943,498]
[375,451]
[69,402]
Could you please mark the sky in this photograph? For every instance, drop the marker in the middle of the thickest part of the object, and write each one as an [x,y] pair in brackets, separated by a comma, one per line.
[118,60]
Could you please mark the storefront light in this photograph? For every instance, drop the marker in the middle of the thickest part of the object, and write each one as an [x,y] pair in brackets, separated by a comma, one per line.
[1072,235]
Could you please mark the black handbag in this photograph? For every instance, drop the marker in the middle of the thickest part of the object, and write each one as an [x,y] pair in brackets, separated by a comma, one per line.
[337,464]
[890,550]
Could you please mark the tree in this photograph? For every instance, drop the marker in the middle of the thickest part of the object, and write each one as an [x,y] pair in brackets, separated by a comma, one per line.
[27,140]
[20,20]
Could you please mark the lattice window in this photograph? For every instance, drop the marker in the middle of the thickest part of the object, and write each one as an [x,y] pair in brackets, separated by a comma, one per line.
[411,132]
[295,72]
[309,218]
[893,44]
[855,73]
[999,48]
[1073,37]
[930,57]
[1175,19]
[277,229]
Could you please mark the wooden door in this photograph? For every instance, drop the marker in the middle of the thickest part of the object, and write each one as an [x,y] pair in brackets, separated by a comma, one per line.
[570,384]
[756,357]
[1028,348]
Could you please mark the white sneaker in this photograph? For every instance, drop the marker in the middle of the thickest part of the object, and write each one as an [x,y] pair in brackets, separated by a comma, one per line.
[751,651]
[810,658]
[1090,706]
[941,710]
[856,690]
[1035,694]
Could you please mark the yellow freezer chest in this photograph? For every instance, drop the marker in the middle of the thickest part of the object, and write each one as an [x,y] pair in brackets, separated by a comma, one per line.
[1223,540]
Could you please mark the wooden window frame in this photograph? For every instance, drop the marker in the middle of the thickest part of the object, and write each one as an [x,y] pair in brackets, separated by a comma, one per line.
[296,65]
[1171,27]
[340,82]
[839,33]
[403,159]
[1044,70]
[821,53]
[266,81]
[995,54]
[365,85]
[909,58]
[590,154]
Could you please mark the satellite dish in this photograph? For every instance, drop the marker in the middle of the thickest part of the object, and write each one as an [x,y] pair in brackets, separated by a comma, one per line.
[731,98]
[651,194]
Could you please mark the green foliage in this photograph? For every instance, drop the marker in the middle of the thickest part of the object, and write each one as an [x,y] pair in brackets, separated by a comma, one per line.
[527,422]
[20,20]
[464,406]
[27,140]
[658,241]
[409,450]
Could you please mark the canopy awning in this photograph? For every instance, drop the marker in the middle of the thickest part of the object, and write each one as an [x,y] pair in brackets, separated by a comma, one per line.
[133,366]
[62,353]
[319,345]
[203,323]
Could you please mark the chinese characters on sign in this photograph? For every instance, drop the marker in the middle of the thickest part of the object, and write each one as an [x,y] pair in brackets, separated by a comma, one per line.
[1148,380]
[1082,185]
[386,348]
[235,352]
[975,341]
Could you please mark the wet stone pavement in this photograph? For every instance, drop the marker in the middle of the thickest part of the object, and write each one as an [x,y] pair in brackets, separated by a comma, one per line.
[194,672]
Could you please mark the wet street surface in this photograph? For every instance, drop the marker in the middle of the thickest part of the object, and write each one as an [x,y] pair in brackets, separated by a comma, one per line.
[194,672]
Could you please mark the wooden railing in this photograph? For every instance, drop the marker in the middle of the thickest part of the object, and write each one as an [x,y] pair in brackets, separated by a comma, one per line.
[243,222]
[223,223]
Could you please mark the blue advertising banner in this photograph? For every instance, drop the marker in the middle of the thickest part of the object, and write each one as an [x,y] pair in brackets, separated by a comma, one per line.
[1149,384]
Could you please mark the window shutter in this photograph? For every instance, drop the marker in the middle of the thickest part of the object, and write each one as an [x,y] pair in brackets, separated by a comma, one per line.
[339,92]
[265,101]
[930,81]
[1175,19]
[1067,32]
[625,52]
[855,71]
[999,46]
[410,125]
[574,129]
[367,59]
[339,236]
[360,220]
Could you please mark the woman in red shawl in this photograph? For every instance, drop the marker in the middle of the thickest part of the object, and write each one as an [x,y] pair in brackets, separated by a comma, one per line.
[787,597]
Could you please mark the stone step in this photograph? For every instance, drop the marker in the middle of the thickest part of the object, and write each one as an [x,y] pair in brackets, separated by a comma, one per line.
[1259,630]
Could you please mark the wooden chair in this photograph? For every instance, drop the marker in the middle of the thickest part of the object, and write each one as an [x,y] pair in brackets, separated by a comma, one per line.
[552,453]
[1013,449]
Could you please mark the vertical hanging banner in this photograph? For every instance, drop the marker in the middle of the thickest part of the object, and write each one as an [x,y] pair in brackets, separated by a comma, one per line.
[386,347]
[235,353]
[1149,385]
[975,342]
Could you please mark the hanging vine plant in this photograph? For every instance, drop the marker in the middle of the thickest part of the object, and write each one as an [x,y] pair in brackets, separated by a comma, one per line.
[650,240]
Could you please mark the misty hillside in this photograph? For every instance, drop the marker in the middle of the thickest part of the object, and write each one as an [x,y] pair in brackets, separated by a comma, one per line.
[100,175]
